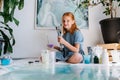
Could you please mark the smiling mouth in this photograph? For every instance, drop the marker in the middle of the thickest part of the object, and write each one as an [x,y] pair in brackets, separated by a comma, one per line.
[65,26]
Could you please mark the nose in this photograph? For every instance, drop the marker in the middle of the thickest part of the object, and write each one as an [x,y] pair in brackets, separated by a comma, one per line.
[65,23]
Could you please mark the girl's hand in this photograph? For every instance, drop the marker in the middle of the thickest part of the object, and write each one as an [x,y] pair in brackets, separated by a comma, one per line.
[56,47]
[61,40]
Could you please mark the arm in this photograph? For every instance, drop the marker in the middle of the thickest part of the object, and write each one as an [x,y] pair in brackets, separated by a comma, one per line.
[78,39]
[57,48]
[74,48]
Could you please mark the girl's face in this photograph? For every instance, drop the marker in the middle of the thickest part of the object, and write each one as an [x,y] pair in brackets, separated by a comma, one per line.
[67,22]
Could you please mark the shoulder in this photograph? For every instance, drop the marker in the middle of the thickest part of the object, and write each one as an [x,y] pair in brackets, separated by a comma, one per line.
[77,32]
[78,37]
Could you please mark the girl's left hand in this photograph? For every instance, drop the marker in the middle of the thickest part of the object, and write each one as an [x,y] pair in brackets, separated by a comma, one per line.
[61,40]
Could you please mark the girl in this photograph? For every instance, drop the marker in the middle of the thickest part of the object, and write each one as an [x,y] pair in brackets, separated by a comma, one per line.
[72,40]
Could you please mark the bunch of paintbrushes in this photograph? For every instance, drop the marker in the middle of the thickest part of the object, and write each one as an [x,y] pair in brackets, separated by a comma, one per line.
[59,34]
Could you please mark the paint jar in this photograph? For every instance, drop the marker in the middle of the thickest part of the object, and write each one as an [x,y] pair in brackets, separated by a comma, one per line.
[50,46]
[87,59]
[115,55]
[90,52]
[6,60]
[96,59]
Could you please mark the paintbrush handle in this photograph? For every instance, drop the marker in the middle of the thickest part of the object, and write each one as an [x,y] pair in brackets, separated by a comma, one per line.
[59,34]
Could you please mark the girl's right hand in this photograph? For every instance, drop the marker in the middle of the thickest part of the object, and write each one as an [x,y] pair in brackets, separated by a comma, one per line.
[61,40]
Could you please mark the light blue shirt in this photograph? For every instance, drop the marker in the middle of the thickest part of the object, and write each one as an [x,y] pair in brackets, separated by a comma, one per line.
[74,38]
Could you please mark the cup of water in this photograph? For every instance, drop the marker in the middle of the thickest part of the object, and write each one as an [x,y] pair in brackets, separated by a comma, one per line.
[47,57]
[87,59]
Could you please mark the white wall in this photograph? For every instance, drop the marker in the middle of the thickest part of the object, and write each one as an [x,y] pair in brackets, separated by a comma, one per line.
[29,42]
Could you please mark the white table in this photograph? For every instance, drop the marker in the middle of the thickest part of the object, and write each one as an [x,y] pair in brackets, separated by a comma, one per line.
[22,70]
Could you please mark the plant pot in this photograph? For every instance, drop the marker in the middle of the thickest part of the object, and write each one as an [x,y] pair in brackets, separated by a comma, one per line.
[110,28]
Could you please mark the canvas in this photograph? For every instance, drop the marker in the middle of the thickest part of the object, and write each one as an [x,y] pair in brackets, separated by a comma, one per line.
[49,13]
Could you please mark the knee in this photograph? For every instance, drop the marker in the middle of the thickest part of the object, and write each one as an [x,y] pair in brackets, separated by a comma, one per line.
[76,58]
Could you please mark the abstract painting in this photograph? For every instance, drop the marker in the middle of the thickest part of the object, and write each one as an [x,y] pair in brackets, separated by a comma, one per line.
[49,12]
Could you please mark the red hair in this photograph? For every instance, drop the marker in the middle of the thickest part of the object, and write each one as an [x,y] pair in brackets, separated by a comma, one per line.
[74,26]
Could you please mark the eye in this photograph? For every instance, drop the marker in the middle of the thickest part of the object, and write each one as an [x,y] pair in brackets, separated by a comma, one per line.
[62,20]
[68,21]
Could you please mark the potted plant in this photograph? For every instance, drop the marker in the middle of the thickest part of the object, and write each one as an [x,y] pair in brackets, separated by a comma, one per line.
[7,10]
[110,27]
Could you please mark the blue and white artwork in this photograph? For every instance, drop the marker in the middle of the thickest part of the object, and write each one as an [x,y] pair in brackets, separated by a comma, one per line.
[49,13]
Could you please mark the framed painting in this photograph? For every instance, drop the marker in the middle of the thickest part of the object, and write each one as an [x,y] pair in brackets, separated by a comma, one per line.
[48,13]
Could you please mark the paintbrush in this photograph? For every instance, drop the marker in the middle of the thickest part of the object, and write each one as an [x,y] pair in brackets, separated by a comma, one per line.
[59,34]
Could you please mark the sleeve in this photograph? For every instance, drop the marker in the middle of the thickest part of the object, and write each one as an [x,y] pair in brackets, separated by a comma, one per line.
[78,37]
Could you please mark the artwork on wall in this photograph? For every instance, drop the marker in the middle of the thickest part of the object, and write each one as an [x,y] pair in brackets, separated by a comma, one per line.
[49,12]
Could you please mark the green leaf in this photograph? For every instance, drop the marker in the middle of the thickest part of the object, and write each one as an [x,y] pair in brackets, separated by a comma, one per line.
[6,17]
[10,32]
[119,5]
[16,21]
[11,3]
[7,45]
[6,6]
[6,25]
[0,51]
[1,14]
[1,43]
[7,14]
[21,4]
[12,12]
[9,48]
